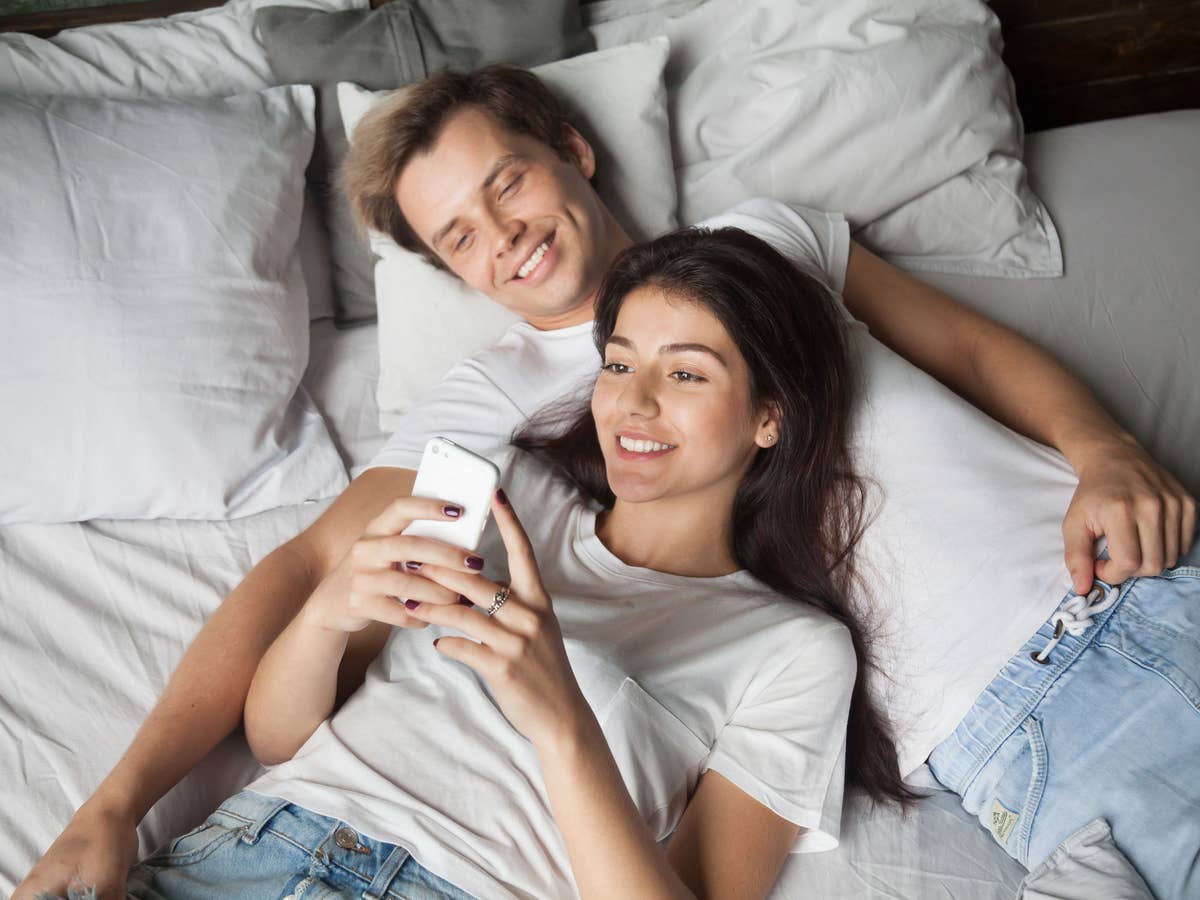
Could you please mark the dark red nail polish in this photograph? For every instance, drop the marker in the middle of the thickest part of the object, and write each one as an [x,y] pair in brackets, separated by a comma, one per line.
[452,512]
[464,601]
[475,562]
[502,497]
[411,604]
[412,566]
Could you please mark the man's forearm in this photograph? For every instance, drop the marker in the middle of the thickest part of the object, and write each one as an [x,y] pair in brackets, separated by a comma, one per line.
[1021,385]
[1004,374]
[203,701]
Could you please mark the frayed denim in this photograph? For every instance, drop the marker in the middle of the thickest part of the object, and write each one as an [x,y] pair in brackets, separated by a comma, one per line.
[1108,727]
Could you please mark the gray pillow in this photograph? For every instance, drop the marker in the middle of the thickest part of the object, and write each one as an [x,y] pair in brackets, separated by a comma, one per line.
[399,43]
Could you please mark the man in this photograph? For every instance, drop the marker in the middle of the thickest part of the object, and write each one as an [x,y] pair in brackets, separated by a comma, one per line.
[483,175]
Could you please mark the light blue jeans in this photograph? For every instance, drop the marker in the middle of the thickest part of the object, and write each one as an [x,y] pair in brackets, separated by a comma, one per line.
[262,848]
[1107,727]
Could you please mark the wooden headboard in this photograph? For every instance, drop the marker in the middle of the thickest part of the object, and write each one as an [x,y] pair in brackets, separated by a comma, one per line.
[1072,60]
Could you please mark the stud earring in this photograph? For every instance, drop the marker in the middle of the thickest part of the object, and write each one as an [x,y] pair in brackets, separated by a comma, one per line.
[770,438]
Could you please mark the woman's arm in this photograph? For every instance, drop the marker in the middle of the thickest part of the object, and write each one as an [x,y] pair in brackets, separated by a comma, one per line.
[1147,516]
[717,860]
[350,614]
[613,854]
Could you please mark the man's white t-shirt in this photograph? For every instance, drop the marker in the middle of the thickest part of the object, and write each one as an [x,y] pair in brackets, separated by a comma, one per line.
[485,398]
[962,558]
[684,674]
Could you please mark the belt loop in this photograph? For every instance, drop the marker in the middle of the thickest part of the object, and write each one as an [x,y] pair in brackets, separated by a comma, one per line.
[383,878]
[254,829]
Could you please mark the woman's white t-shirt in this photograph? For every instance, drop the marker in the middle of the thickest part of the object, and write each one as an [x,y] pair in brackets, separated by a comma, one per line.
[684,675]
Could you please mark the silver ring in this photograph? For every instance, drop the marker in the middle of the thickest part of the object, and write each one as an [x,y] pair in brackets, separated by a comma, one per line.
[498,600]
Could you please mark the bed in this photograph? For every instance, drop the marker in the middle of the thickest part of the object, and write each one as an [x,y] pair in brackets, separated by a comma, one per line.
[96,609]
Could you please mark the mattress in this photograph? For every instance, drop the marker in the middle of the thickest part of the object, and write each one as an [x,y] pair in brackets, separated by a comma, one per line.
[94,616]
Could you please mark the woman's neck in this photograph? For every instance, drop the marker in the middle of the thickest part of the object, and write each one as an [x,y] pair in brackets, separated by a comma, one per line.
[690,536]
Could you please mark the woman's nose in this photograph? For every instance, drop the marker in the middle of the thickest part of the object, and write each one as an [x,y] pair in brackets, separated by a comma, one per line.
[638,397]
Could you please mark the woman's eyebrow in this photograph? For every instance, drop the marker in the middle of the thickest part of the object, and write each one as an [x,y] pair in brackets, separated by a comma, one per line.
[671,348]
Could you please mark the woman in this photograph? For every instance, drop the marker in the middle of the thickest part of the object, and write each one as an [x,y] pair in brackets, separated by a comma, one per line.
[672,651]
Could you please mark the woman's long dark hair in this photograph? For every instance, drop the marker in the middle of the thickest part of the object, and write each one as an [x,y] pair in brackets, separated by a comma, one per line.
[799,512]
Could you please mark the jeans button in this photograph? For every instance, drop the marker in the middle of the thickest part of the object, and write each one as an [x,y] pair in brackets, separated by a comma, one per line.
[346,838]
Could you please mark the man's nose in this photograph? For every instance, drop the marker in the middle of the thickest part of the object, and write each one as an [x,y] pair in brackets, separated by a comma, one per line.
[508,231]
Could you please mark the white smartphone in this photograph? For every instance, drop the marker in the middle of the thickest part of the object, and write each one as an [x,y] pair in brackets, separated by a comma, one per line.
[455,474]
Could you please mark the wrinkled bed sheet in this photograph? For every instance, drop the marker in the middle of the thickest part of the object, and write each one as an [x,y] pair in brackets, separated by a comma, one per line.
[94,616]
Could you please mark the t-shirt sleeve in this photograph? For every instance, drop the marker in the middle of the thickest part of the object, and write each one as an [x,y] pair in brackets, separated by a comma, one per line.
[814,240]
[467,407]
[785,745]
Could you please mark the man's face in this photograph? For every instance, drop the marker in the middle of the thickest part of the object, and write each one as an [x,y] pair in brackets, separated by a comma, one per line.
[512,218]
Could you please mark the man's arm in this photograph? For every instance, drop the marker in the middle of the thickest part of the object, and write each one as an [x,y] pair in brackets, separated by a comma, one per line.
[1146,514]
[203,701]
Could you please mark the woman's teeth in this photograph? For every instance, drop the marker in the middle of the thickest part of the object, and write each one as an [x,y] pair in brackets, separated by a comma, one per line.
[640,446]
[536,258]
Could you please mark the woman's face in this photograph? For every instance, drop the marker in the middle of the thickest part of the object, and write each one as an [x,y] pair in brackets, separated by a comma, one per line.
[672,404]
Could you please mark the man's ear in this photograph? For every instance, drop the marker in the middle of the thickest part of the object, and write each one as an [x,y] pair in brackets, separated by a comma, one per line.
[579,151]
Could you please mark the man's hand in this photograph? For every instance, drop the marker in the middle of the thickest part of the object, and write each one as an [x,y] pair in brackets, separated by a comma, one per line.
[97,848]
[1147,516]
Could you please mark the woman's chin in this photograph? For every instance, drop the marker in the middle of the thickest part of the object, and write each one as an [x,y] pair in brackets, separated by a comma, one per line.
[635,490]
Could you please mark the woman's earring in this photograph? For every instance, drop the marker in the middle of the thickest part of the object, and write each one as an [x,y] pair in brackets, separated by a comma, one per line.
[770,438]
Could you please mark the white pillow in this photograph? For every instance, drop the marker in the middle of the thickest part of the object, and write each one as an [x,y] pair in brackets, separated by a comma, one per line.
[152,346]
[900,116]
[617,100]
[207,53]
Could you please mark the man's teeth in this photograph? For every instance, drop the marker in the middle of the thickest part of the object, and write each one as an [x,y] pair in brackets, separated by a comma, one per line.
[533,260]
[640,446]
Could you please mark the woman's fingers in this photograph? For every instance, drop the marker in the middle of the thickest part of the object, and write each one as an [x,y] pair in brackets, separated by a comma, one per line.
[494,631]
[522,564]
[477,656]
[414,552]
[389,611]
[398,514]
[474,587]
[403,586]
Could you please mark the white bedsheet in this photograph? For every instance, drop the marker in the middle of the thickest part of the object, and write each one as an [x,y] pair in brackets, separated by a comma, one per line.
[94,616]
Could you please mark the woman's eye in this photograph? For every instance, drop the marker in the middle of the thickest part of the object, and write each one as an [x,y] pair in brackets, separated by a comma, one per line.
[687,377]
[616,368]
[511,187]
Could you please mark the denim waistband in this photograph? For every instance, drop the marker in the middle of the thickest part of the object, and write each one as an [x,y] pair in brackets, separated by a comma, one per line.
[1014,693]
[375,862]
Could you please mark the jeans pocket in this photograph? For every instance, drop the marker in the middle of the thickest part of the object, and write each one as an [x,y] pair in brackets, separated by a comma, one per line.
[194,846]
[1008,790]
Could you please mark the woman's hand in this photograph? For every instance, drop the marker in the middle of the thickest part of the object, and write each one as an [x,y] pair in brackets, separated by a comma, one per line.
[379,571]
[521,654]
[96,848]
[296,686]
[1147,516]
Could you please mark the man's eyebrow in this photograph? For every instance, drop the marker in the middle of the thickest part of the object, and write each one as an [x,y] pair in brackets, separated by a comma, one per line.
[671,348]
[498,166]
